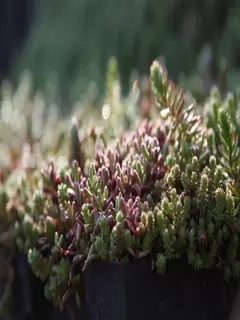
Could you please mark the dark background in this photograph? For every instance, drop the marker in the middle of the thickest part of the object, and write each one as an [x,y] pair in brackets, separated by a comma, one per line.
[70,42]
[16,17]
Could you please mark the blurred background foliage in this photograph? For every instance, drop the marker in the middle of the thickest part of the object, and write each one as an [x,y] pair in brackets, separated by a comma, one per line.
[69,42]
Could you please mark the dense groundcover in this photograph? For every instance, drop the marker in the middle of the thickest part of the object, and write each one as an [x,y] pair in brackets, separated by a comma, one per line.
[136,217]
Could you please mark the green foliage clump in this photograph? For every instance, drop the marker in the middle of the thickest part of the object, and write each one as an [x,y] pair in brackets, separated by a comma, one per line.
[199,217]
[166,189]
[78,215]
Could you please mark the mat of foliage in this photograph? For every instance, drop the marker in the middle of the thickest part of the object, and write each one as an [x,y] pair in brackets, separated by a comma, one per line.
[166,189]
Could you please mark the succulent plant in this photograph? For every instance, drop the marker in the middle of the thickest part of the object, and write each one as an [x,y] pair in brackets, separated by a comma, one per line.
[74,217]
[199,216]
[184,130]
[164,188]
[204,175]
[223,137]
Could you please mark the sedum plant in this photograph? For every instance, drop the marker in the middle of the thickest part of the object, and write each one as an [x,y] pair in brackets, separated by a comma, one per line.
[26,117]
[184,130]
[199,218]
[201,202]
[165,189]
[75,217]
[224,125]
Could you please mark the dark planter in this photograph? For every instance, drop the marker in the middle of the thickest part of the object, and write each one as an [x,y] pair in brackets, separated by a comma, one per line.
[130,291]
[2,292]
[232,288]
[183,293]
[134,291]
[29,300]
[15,306]
[69,313]
[28,292]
